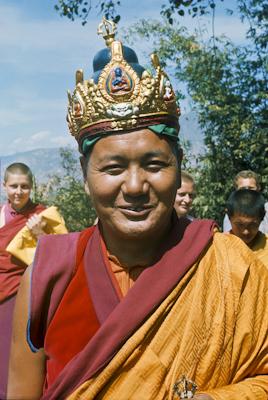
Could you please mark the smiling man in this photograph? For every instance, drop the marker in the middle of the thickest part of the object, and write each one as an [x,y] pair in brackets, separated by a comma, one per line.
[144,305]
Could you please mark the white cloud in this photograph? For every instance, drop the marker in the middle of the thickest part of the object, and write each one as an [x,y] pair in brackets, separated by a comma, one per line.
[42,139]
[61,141]
[43,45]
[40,136]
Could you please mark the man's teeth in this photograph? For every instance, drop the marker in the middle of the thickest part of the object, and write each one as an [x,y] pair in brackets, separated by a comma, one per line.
[135,208]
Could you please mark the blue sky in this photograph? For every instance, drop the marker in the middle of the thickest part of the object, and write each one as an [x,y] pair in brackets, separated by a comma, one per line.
[39,54]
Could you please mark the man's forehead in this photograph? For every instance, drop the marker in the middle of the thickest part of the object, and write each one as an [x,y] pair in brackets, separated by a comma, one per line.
[237,217]
[16,176]
[247,183]
[142,141]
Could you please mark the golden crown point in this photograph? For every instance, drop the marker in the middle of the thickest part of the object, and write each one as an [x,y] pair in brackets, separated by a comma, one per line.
[120,98]
[107,29]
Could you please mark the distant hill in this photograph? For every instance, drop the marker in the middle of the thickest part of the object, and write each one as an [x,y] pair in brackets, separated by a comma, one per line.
[43,162]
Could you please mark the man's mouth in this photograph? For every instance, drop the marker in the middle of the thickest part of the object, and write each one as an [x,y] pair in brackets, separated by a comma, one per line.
[138,210]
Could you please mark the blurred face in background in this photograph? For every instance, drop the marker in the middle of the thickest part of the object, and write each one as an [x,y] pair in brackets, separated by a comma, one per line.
[245,227]
[184,198]
[18,189]
[247,183]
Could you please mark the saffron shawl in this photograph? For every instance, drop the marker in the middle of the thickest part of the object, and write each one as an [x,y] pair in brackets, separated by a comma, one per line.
[212,328]
[260,247]
[162,277]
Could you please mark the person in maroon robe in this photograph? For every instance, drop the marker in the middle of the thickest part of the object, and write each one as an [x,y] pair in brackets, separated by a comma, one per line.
[18,211]
[99,305]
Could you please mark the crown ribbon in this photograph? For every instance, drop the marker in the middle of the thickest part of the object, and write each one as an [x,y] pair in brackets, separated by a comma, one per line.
[121,97]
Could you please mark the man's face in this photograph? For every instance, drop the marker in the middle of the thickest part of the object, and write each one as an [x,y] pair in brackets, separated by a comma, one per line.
[184,198]
[18,189]
[247,183]
[132,180]
[245,227]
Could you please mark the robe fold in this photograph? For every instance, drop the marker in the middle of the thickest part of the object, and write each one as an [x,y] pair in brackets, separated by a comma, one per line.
[11,270]
[17,247]
[23,245]
[200,311]
[212,328]
[260,247]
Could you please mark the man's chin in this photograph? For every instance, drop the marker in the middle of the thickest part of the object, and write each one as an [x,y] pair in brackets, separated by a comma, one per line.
[183,213]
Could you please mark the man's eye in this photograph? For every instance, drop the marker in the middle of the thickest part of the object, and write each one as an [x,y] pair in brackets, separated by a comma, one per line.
[155,166]
[113,169]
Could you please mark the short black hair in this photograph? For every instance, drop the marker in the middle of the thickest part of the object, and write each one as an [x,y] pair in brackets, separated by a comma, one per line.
[246,202]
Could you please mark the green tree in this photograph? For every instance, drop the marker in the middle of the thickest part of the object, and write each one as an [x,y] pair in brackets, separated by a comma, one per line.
[228,86]
[68,194]
[74,9]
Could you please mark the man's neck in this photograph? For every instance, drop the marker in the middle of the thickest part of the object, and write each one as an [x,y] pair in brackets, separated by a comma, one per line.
[22,209]
[132,252]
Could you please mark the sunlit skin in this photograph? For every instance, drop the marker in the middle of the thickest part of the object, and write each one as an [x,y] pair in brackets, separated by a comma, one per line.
[18,189]
[246,183]
[132,179]
[184,198]
[245,227]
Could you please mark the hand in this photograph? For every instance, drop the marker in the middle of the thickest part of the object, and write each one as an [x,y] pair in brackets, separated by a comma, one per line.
[202,397]
[36,225]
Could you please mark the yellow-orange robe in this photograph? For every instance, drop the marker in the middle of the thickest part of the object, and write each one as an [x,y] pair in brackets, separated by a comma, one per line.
[260,248]
[213,328]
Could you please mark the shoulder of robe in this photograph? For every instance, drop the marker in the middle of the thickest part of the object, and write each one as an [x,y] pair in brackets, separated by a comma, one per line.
[56,250]
[236,261]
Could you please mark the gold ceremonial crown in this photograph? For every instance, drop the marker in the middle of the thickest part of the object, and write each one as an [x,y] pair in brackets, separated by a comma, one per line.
[122,96]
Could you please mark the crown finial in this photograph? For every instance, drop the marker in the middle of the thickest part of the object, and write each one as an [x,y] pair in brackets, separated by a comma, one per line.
[107,29]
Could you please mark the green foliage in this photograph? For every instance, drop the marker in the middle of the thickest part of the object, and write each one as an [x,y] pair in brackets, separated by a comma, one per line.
[228,86]
[191,7]
[68,194]
[74,9]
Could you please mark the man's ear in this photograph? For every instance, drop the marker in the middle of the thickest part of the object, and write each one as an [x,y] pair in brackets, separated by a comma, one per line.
[180,157]
[87,189]
[83,163]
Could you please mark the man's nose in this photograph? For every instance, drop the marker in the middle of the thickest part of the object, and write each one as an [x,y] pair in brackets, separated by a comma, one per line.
[187,198]
[135,183]
[19,190]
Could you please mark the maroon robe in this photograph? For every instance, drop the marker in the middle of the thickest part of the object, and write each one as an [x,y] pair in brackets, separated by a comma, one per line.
[50,290]
[11,270]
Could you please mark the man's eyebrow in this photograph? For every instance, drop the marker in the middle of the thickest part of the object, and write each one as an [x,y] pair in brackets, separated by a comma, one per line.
[151,154]
[117,157]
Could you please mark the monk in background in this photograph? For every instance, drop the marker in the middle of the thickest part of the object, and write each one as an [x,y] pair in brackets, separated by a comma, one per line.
[18,213]
[246,209]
